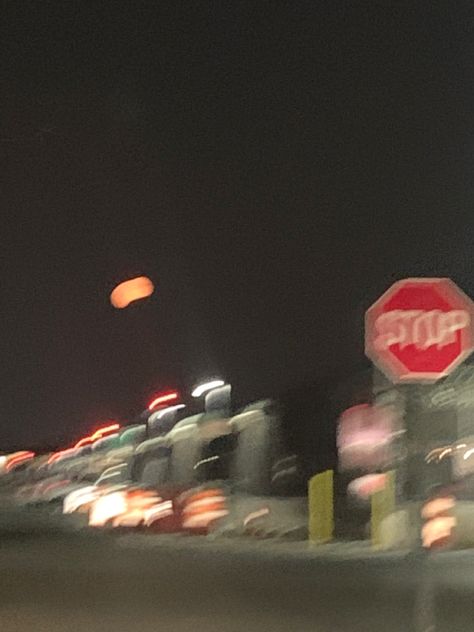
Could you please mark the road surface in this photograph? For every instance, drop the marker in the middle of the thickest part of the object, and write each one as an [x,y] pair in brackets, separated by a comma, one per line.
[54,581]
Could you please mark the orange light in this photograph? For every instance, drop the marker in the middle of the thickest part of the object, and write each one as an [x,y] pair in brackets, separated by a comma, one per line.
[105,430]
[440,523]
[55,485]
[98,434]
[57,455]
[203,508]
[130,291]
[438,507]
[82,442]
[163,399]
[19,458]
[438,531]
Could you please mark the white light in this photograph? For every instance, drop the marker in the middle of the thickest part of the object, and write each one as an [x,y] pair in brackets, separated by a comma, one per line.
[76,499]
[202,521]
[444,453]
[162,510]
[256,514]
[167,410]
[468,453]
[202,502]
[207,386]
[209,460]
[106,508]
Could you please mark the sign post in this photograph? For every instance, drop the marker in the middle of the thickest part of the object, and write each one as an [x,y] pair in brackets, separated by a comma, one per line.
[416,333]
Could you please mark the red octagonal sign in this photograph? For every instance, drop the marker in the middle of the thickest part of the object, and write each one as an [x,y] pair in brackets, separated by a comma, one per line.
[420,329]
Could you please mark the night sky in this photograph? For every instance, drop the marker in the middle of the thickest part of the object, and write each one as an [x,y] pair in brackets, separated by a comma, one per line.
[272,166]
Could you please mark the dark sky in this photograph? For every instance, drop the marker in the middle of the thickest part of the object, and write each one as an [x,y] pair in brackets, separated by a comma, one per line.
[273,166]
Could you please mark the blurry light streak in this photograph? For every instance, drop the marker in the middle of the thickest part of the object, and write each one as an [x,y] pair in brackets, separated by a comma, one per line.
[59,455]
[203,461]
[82,442]
[98,434]
[437,507]
[204,507]
[256,514]
[76,499]
[161,510]
[207,386]
[365,436]
[468,453]
[434,454]
[55,485]
[132,518]
[137,502]
[288,471]
[445,452]
[107,507]
[437,530]
[204,519]
[17,459]
[357,407]
[13,455]
[168,410]
[365,486]
[162,399]
[440,522]
[213,502]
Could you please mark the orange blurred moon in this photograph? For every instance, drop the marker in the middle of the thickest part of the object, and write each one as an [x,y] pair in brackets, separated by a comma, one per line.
[130,291]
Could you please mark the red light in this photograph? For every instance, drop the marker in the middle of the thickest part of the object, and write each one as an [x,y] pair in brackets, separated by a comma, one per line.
[57,455]
[19,458]
[98,434]
[105,430]
[82,442]
[54,485]
[163,399]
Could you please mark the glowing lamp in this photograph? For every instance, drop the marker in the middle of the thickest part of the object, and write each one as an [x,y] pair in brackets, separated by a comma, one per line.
[131,291]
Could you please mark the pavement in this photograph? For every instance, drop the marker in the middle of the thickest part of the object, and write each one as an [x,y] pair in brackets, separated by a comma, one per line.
[67,580]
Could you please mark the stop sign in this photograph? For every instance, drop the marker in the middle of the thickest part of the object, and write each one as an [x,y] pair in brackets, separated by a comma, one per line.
[420,329]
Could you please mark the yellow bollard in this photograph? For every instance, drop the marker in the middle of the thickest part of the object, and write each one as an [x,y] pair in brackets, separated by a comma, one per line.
[321,507]
[382,504]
